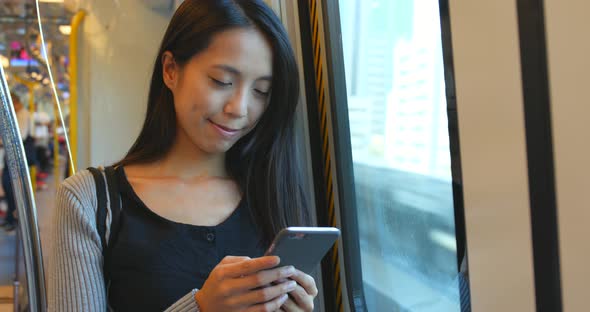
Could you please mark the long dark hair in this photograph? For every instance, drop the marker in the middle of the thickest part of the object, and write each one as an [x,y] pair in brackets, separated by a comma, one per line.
[265,162]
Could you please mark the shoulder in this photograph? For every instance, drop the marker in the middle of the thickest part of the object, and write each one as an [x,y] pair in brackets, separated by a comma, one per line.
[81,184]
[78,191]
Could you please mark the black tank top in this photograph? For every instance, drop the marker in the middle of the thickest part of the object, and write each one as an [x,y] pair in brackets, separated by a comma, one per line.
[154,261]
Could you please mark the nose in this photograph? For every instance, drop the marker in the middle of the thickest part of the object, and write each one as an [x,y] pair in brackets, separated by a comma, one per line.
[237,105]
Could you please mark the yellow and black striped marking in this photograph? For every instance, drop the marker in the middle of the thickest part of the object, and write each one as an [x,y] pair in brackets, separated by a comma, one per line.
[320,83]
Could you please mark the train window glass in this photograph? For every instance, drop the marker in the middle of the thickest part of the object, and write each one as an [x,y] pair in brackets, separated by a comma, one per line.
[401,157]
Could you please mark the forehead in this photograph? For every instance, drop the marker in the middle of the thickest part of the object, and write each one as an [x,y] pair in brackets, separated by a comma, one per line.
[245,49]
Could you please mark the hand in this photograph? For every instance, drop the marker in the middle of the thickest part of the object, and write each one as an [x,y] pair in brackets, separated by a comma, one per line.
[301,299]
[239,284]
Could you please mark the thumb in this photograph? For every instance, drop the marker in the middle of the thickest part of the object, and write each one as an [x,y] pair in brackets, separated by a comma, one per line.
[233,259]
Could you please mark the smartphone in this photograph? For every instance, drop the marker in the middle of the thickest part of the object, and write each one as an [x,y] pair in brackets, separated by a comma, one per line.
[303,247]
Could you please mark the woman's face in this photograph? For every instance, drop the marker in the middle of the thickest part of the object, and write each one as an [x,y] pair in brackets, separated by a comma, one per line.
[221,92]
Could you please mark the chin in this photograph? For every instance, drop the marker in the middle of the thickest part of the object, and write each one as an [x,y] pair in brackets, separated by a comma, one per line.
[221,147]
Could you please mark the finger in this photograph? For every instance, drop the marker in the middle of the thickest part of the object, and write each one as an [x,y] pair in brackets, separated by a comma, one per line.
[263,295]
[251,266]
[272,305]
[290,306]
[233,259]
[281,280]
[302,298]
[266,278]
[306,281]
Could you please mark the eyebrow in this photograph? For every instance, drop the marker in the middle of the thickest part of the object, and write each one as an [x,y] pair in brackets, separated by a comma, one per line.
[236,72]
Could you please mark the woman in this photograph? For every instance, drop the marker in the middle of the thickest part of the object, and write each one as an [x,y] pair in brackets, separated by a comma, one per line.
[210,180]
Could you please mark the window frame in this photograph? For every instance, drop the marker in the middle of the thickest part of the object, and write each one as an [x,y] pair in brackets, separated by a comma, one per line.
[340,151]
[341,138]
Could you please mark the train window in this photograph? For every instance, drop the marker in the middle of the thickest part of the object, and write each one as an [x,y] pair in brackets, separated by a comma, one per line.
[401,154]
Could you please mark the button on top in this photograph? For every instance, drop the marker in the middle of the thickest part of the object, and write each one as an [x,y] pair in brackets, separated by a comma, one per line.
[210,237]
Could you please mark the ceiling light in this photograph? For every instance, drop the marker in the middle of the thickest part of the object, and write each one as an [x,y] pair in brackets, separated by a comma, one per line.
[65,29]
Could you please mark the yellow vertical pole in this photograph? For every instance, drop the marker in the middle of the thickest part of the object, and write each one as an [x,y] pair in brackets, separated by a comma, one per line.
[76,22]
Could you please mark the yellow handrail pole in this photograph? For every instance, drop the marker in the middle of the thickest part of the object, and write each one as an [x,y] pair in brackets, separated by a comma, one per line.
[76,22]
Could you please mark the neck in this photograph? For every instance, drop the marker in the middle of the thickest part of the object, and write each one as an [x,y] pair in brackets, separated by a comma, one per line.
[185,160]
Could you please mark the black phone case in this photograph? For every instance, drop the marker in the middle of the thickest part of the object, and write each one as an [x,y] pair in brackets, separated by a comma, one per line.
[302,249]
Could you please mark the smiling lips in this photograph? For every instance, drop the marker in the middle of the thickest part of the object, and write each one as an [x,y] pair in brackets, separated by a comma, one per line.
[225,131]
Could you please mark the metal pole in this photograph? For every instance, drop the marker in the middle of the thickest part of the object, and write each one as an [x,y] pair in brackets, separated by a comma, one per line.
[24,198]
[16,282]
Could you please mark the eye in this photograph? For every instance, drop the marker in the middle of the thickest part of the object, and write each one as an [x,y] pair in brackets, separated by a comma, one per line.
[262,93]
[220,83]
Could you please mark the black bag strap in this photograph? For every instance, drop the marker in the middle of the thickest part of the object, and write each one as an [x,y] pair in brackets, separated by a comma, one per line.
[115,200]
[101,214]
[101,207]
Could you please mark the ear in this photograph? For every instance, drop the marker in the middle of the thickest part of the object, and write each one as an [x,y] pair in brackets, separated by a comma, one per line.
[170,71]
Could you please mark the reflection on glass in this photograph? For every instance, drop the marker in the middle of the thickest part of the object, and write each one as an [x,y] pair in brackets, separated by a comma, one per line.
[400,146]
